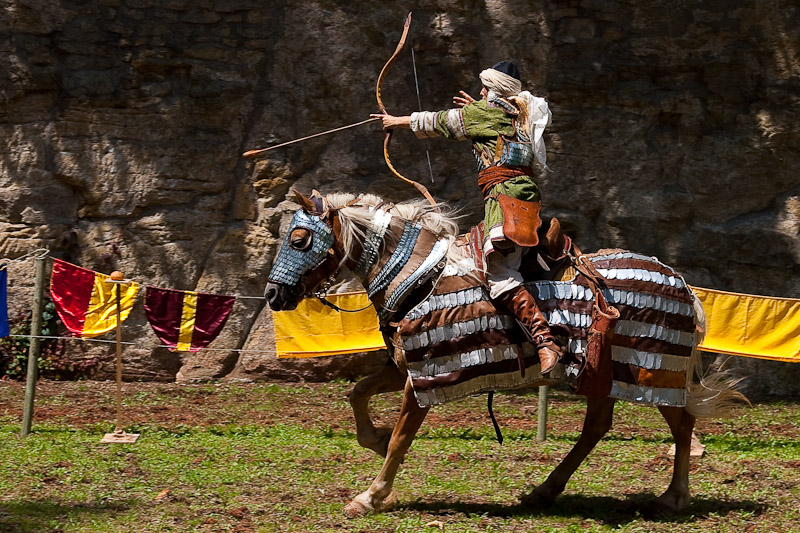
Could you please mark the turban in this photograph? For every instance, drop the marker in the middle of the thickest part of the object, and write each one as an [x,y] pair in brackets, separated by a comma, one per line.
[502,78]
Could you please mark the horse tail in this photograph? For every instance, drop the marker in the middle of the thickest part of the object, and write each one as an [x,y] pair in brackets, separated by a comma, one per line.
[715,393]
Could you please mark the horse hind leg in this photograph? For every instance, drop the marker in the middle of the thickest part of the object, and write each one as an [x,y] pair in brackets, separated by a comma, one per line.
[677,496]
[387,379]
[380,496]
[598,420]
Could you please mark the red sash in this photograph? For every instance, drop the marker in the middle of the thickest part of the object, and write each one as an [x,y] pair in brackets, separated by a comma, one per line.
[491,176]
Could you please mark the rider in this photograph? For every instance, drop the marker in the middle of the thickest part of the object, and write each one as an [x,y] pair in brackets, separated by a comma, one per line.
[505,128]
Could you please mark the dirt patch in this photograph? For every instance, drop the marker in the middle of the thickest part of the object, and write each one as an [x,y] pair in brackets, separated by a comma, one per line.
[85,403]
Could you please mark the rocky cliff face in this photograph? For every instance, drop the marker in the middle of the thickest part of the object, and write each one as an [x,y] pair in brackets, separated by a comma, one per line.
[676,133]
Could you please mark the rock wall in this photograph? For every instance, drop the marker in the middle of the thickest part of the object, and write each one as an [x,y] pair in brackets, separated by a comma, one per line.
[676,133]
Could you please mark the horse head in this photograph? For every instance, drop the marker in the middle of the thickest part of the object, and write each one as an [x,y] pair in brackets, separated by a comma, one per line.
[310,254]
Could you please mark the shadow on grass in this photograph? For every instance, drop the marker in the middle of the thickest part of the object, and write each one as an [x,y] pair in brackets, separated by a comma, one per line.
[606,510]
[39,516]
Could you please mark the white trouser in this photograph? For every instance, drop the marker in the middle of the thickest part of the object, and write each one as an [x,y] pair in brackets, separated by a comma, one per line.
[502,271]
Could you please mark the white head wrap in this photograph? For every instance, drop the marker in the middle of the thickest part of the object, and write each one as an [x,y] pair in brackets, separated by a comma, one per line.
[500,83]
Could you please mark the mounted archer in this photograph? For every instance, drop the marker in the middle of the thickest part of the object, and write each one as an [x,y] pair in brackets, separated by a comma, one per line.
[450,334]
[505,128]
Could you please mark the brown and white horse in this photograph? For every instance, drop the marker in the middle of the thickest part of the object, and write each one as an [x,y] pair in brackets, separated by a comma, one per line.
[447,340]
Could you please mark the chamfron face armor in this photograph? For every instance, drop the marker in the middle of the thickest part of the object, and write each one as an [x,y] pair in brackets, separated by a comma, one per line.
[292,264]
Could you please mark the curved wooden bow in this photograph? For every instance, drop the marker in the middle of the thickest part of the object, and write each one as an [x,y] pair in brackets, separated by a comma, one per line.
[387,139]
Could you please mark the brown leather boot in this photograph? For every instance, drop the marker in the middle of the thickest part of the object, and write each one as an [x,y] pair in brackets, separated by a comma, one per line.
[520,302]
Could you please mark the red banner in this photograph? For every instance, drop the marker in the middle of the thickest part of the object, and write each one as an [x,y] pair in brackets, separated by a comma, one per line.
[186,320]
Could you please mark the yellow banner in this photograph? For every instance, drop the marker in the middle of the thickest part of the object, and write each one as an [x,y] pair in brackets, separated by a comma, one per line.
[752,326]
[314,330]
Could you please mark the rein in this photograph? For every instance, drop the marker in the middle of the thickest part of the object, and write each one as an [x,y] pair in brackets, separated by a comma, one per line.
[321,296]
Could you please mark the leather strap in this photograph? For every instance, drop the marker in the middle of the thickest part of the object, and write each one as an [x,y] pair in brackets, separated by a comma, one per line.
[492,417]
[585,267]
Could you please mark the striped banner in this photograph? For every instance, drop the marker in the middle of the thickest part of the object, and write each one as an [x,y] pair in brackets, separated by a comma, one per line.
[186,321]
[86,300]
[4,330]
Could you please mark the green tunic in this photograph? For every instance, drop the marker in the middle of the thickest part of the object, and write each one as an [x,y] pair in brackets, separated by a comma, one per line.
[481,124]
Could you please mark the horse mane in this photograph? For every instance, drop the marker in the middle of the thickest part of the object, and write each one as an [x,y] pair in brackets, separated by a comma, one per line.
[440,219]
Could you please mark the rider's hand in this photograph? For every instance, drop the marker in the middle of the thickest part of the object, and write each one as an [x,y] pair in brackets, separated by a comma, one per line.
[463,100]
[391,121]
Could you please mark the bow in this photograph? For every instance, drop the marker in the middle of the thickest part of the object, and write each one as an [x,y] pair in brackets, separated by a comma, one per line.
[387,139]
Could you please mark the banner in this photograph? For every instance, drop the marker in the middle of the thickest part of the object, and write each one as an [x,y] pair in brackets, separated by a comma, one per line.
[752,326]
[314,330]
[186,320]
[3,301]
[86,300]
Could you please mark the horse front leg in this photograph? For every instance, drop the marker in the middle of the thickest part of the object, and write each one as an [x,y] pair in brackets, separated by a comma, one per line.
[677,496]
[599,415]
[387,379]
[380,496]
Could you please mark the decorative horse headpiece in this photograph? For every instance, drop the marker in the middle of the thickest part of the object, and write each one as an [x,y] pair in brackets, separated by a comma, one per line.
[310,253]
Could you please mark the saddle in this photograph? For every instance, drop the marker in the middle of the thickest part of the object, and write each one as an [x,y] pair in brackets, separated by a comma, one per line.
[545,261]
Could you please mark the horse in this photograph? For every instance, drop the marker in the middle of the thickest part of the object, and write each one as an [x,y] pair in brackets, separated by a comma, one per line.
[447,339]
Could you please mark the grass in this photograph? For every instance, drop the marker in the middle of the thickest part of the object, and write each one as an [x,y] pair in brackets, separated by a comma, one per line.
[268,457]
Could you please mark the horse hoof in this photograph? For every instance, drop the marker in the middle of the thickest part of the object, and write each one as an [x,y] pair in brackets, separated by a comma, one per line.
[356,509]
[669,502]
[537,500]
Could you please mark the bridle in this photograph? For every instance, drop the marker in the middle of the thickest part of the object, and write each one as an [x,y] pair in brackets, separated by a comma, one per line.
[323,276]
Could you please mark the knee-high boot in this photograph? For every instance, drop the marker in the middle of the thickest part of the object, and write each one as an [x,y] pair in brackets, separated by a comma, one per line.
[520,302]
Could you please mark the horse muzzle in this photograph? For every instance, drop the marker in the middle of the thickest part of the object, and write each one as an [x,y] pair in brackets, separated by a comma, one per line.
[282,297]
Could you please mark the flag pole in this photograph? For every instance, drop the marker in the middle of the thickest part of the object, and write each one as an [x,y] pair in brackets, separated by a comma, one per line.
[119,435]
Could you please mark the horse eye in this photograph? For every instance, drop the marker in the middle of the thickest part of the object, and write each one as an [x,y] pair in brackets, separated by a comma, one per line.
[300,239]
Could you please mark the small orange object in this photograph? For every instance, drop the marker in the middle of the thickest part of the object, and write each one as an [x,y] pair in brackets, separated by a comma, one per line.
[117,276]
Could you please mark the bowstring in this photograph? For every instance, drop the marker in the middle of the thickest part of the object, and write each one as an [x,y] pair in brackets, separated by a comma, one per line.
[419,103]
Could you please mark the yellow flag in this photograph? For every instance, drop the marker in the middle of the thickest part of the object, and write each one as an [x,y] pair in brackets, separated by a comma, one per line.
[754,326]
[314,330]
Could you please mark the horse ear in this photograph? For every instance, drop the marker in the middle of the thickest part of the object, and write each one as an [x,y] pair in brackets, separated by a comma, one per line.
[315,194]
[305,202]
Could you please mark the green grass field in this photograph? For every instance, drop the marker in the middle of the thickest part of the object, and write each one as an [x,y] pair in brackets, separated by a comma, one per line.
[268,457]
